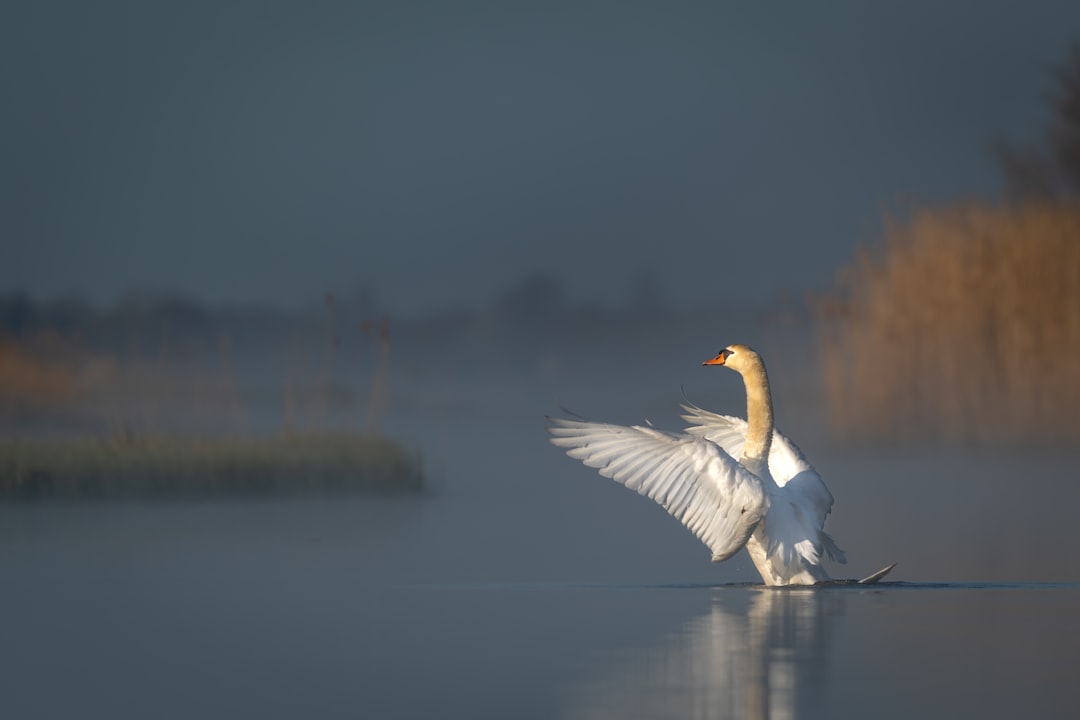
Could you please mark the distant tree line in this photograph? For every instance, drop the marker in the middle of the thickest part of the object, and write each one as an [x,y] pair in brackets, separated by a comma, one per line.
[1050,170]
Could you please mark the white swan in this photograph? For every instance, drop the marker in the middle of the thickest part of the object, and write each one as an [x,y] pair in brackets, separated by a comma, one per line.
[771,500]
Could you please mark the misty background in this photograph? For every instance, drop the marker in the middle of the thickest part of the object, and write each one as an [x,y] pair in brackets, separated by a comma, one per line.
[433,154]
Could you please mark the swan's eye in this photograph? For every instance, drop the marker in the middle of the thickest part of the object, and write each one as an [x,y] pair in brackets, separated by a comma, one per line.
[727,353]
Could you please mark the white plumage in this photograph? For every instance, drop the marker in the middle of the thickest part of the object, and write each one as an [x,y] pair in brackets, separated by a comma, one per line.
[771,499]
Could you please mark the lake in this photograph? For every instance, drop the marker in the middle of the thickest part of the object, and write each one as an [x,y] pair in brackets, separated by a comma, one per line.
[526,586]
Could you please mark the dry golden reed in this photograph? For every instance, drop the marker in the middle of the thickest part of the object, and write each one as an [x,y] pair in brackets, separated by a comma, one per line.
[963,328]
[46,373]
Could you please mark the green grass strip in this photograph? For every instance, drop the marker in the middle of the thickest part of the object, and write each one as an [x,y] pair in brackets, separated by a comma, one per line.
[161,467]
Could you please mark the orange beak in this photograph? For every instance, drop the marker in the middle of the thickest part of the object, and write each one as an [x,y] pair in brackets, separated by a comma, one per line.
[718,360]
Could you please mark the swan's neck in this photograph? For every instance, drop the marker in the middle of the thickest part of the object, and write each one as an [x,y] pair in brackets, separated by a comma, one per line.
[759,414]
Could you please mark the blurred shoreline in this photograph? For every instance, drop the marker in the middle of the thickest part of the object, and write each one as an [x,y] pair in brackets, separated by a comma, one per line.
[170,364]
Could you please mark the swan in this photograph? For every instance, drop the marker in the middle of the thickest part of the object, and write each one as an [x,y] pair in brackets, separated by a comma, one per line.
[770,499]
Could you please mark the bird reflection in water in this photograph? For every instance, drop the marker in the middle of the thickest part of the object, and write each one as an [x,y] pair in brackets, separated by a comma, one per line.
[768,658]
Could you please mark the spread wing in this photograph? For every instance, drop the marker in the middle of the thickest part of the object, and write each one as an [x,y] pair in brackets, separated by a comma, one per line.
[800,508]
[691,477]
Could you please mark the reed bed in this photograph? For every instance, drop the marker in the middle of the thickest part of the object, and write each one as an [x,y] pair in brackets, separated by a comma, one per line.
[963,328]
[171,467]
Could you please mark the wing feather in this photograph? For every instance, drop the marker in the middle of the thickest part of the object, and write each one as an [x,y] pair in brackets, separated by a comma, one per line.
[690,476]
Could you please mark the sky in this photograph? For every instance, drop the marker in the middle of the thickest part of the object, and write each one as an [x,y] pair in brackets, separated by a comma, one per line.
[436,153]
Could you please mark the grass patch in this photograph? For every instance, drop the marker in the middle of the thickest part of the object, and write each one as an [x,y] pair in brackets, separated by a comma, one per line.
[180,467]
[964,328]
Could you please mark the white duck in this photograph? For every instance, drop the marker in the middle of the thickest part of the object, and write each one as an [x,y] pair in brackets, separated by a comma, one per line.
[771,499]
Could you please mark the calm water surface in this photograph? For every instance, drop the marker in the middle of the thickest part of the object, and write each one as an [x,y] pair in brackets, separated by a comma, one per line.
[524,587]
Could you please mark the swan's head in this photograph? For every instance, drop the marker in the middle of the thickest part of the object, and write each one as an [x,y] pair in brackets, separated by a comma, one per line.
[737,357]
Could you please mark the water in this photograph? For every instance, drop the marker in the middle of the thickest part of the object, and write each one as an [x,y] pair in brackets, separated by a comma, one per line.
[528,587]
